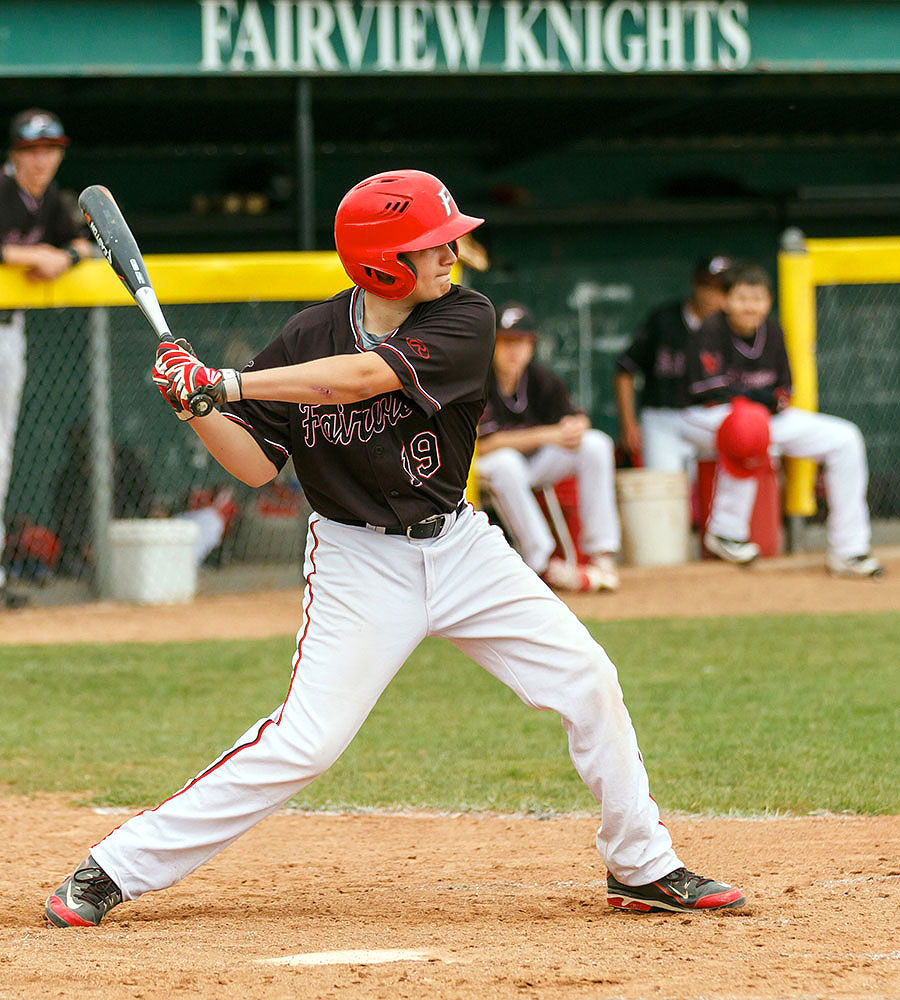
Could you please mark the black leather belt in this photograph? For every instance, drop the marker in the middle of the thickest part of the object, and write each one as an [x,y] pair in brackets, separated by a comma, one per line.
[428,527]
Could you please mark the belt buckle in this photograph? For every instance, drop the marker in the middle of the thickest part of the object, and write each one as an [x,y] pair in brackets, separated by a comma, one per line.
[434,521]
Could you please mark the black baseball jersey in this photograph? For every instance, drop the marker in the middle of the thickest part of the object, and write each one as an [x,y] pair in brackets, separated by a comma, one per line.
[724,365]
[25,221]
[397,458]
[540,398]
[658,352]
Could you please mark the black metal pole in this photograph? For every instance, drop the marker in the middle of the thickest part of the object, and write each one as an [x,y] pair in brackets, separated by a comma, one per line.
[304,167]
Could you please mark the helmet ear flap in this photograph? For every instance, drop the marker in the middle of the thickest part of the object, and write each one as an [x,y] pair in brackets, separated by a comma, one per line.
[380,276]
[407,263]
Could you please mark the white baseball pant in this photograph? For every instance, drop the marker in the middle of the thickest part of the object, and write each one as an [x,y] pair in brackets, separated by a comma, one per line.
[510,477]
[370,600]
[669,443]
[836,442]
[12,379]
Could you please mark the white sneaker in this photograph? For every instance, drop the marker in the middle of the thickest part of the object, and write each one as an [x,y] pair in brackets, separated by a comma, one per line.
[562,575]
[865,565]
[730,549]
[602,572]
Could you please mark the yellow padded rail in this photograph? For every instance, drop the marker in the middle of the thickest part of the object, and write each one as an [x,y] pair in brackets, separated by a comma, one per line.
[184,278]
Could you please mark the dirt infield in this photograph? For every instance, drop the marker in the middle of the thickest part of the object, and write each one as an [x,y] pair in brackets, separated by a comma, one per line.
[489,907]
[463,906]
[784,585]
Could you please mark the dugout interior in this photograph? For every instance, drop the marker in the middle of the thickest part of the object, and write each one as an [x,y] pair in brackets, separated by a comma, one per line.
[599,191]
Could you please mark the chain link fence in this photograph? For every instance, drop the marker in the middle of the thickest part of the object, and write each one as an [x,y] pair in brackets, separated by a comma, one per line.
[96,441]
[858,361]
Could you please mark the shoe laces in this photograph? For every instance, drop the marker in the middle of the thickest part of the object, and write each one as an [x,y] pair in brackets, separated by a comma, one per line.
[685,876]
[95,886]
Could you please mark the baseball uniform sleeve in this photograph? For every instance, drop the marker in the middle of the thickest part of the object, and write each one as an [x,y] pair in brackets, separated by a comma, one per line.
[267,422]
[444,354]
[638,357]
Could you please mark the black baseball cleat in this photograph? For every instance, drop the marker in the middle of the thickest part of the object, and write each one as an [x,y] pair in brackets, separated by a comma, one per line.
[680,890]
[85,898]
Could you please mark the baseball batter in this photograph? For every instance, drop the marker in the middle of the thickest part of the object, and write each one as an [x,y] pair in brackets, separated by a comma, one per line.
[740,351]
[375,394]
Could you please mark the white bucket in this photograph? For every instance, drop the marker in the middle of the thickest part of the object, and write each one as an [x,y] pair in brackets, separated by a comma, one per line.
[654,508]
[152,561]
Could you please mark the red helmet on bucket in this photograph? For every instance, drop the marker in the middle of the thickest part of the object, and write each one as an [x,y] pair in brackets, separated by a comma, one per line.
[743,438]
[390,214]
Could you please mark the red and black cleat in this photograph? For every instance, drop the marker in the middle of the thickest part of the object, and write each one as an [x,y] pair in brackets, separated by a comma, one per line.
[680,890]
[84,899]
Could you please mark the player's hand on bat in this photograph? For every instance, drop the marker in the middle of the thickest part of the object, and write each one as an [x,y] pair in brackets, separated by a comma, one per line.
[186,378]
[168,357]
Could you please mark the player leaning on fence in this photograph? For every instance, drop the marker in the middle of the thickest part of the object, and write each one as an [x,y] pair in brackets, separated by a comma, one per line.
[39,233]
[376,395]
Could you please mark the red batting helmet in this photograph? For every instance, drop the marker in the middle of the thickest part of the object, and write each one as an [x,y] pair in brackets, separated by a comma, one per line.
[743,438]
[390,214]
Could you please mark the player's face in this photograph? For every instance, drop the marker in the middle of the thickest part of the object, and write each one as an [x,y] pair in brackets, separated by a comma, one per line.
[746,307]
[433,272]
[36,167]
[512,356]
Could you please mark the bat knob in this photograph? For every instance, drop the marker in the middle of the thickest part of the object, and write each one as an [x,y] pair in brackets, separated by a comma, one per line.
[201,403]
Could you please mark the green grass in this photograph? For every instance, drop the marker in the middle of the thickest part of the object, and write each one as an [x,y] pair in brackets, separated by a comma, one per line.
[738,715]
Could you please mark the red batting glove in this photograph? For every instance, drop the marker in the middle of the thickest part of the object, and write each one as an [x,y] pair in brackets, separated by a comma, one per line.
[186,380]
[180,376]
[168,357]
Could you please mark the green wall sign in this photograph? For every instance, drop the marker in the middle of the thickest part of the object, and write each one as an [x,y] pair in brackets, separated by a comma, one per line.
[338,37]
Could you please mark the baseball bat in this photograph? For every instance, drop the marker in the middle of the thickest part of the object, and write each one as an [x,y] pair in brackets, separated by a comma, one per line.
[118,245]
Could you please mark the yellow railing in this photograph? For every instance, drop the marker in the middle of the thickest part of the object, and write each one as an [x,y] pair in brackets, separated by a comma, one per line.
[801,269]
[183,278]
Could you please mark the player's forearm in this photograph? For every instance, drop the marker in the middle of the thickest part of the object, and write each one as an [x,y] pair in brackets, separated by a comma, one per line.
[344,378]
[625,398]
[234,449]
[22,256]
[524,439]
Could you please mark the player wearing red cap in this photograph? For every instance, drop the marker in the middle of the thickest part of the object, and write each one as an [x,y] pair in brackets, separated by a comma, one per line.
[375,394]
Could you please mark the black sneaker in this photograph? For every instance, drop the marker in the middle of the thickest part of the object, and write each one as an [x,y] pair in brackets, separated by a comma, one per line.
[85,898]
[679,890]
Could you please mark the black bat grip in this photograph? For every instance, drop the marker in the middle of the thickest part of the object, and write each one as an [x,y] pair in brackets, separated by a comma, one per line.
[201,403]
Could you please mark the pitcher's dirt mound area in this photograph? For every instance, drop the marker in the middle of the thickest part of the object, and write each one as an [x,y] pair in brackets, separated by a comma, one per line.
[429,906]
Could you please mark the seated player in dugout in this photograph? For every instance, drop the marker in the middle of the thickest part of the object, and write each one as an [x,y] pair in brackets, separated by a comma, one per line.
[739,355]
[376,394]
[531,436]
[655,434]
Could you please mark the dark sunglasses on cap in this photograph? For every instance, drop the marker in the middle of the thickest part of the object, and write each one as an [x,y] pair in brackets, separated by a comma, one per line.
[35,127]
